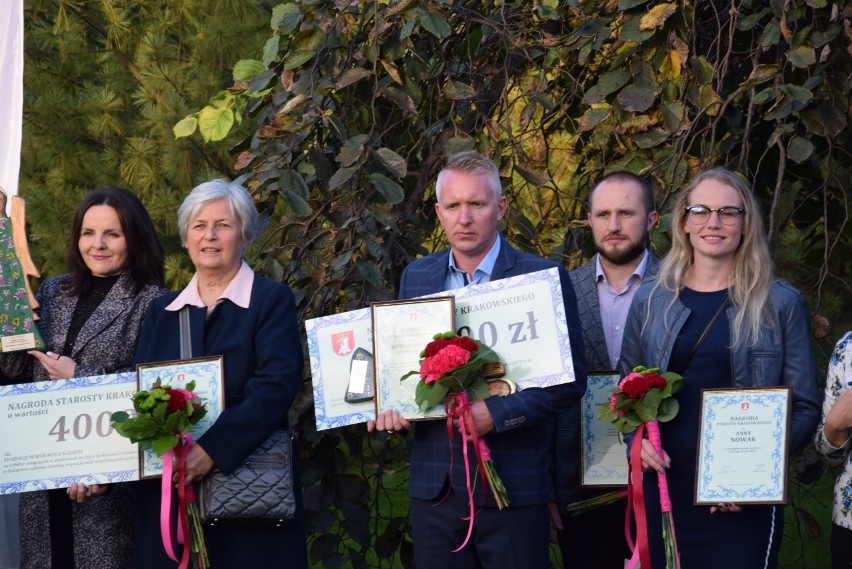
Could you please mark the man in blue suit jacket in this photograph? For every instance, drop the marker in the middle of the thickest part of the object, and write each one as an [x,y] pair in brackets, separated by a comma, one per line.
[621,216]
[469,205]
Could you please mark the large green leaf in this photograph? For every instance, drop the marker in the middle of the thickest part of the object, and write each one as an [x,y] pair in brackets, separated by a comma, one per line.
[703,69]
[370,272]
[352,149]
[400,98]
[799,149]
[825,120]
[761,74]
[246,69]
[592,118]
[286,18]
[300,207]
[270,50]
[292,181]
[185,127]
[637,97]
[625,5]
[459,143]
[351,76]
[390,190]
[608,83]
[434,24]
[650,138]
[673,114]
[457,90]
[802,56]
[298,58]
[395,163]
[214,124]
[341,177]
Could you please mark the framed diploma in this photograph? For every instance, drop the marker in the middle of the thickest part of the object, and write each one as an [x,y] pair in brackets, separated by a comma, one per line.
[402,329]
[59,432]
[603,455]
[742,446]
[207,374]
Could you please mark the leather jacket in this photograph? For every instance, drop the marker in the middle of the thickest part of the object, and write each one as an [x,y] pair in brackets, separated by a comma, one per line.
[782,355]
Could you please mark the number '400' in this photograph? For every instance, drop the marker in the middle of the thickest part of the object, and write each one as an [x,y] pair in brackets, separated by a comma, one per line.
[81,426]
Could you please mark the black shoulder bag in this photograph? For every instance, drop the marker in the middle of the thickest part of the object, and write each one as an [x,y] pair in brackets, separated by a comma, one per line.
[259,492]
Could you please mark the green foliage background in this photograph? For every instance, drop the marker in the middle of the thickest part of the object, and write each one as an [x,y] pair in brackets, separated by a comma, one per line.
[342,113]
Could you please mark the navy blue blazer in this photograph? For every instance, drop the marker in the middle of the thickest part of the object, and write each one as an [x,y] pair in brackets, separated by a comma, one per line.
[519,440]
[262,363]
[262,373]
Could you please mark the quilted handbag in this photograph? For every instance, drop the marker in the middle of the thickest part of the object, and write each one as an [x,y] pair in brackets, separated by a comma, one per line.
[258,493]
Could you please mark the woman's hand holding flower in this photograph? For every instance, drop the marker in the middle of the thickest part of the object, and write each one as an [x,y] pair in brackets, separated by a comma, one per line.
[198,464]
[653,461]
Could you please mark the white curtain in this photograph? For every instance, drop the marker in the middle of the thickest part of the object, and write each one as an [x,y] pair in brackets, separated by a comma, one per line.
[12,81]
[11,108]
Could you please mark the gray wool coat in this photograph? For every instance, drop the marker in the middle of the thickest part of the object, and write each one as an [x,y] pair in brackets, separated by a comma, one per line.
[106,343]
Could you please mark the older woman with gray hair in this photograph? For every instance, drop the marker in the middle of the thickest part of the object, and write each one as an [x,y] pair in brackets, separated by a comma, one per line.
[251,321]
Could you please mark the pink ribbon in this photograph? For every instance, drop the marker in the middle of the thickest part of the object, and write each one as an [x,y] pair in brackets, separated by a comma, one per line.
[636,498]
[457,406]
[185,493]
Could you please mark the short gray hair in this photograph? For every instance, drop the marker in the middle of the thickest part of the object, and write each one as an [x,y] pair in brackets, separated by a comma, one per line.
[471,163]
[239,202]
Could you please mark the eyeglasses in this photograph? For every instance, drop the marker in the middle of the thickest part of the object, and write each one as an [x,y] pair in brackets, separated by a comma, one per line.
[700,214]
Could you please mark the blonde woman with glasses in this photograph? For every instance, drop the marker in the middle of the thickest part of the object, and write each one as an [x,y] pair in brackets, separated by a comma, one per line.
[717,315]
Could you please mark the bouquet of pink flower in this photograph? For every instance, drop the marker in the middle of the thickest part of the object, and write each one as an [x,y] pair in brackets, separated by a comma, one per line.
[453,369]
[164,417]
[641,401]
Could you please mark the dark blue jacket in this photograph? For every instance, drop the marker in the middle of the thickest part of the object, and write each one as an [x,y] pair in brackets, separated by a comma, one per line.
[519,441]
[262,372]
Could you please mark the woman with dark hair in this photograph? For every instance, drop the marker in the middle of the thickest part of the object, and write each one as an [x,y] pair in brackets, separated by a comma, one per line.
[90,320]
[717,315]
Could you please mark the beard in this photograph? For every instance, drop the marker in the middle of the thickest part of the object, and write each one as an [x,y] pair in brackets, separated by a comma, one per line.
[622,257]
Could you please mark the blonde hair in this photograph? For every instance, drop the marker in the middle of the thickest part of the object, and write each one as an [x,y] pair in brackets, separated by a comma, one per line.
[471,163]
[752,272]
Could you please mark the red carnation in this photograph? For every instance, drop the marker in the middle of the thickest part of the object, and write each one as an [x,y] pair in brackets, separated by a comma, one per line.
[636,385]
[448,359]
[178,399]
[465,343]
[436,346]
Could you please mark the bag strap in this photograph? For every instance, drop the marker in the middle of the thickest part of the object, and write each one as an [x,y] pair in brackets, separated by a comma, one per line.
[705,332]
[185,338]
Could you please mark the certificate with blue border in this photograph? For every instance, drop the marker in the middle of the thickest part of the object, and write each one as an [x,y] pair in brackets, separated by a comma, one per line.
[742,446]
[603,454]
[207,374]
[58,432]
[332,343]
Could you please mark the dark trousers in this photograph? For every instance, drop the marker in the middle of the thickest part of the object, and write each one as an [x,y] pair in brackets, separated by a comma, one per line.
[512,538]
[841,547]
[595,539]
